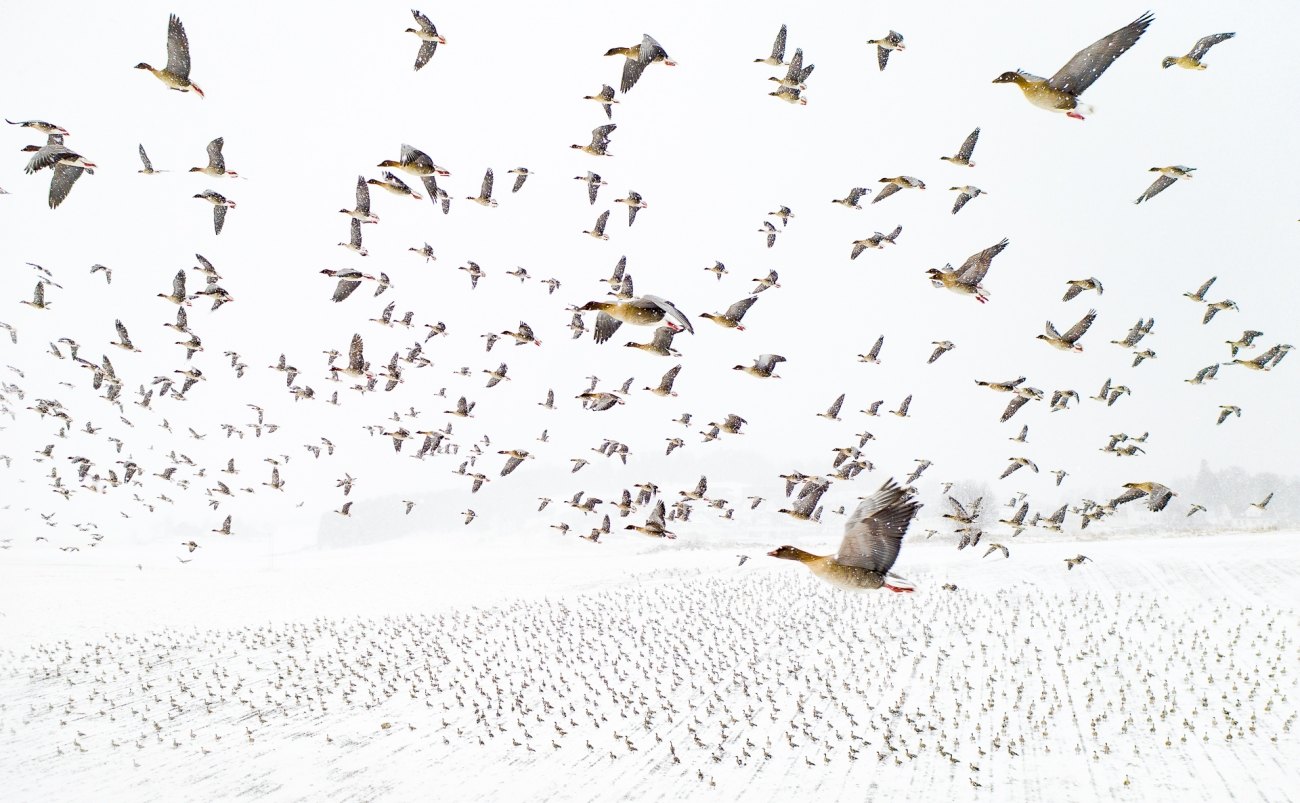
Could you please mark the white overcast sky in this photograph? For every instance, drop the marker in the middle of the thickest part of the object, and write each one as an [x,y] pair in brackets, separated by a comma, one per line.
[307,100]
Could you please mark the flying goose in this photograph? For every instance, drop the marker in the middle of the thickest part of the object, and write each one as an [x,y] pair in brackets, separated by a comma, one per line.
[219,206]
[893,185]
[216,166]
[599,140]
[885,45]
[1167,178]
[877,240]
[484,197]
[777,58]
[638,57]
[965,151]
[967,280]
[763,366]
[605,98]
[429,38]
[731,318]
[1069,340]
[873,536]
[1061,92]
[362,212]
[964,195]
[645,310]
[176,75]
[1192,61]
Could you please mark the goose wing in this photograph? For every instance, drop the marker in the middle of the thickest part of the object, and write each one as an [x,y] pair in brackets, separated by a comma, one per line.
[873,535]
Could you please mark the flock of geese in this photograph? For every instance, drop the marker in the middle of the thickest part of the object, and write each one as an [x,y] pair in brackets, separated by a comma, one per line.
[873,531]
[742,681]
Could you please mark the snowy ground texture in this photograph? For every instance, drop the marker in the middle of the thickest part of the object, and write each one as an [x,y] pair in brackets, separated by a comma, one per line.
[1166,669]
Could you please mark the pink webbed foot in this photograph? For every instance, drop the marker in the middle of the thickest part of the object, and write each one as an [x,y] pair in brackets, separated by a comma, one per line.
[1075,115]
[898,590]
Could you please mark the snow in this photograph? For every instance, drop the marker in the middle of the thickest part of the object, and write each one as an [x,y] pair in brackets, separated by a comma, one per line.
[278,683]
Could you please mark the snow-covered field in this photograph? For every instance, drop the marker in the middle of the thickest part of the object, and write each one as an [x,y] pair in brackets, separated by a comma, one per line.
[555,669]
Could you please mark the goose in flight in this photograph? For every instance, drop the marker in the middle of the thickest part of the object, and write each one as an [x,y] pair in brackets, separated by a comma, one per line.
[1070,340]
[886,45]
[763,366]
[1192,61]
[777,58]
[605,98]
[967,280]
[599,141]
[1061,92]
[645,310]
[731,318]
[220,204]
[362,211]
[429,38]
[148,168]
[964,153]
[176,75]
[639,56]
[1167,178]
[216,166]
[873,537]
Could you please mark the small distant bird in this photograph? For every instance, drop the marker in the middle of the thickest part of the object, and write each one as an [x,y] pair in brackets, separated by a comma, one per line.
[1069,340]
[763,366]
[1192,61]
[1264,503]
[941,347]
[873,536]
[190,545]
[886,45]
[851,200]
[148,165]
[1167,178]
[606,100]
[108,278]
[594,182]
[362,211]
[1226,411]
[1077,560]
[833,412]
[965,151]
[176,75]
[634,203]
[1213,309]
[638,57]
[598,231]
[1016,464]
[1006,553]
[219,206]
[771,232]
[1157,495]
[216,166]
[968,279]
[876,240]
[1194,509]
[1061,92]
[893,185]
[1077,286]
[1199,295]
[1247,340]
[427,33]
[777,59]
[764,283]
[521,175]
[484,197]
[731,318]
[965,194]
[873,356]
